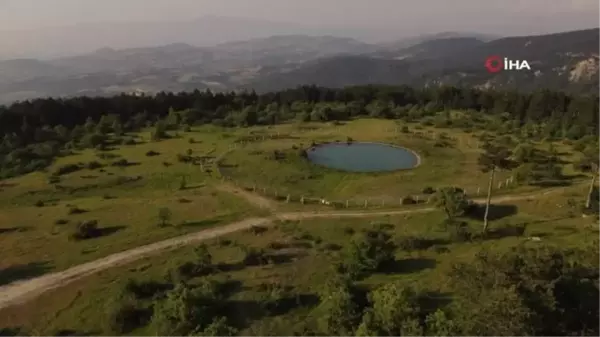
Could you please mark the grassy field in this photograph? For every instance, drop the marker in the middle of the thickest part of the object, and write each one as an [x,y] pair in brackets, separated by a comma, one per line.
[124,188]
[36,218]
[453,164]
[307,250]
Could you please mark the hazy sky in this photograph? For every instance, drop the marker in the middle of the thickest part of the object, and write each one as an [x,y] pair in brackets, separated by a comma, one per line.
[52,28]
[438,14]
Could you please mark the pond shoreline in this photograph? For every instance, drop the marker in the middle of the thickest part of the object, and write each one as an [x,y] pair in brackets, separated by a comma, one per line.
[411,151]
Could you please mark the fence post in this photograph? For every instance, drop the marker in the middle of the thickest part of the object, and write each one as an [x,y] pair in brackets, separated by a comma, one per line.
[346,203]
[478,190]
[382,202]
[302,200]
[366,203]
[499,185]
[288,199]
[417,198]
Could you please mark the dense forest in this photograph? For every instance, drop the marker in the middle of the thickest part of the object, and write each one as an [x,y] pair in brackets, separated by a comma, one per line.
[34,132]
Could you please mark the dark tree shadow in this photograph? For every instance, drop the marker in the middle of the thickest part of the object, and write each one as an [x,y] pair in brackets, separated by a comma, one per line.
[17,229]
[272,259]
[105,231]
[71,332]
[230,287]
[202,223]
[243,313]
[432,300]
[282,258]
[286,304]
[23,272]
[410,265]
[496,212]
[503,232]
[551,183]
[11,331]
[6,184]
[563,228]
[228,267]
[539,234]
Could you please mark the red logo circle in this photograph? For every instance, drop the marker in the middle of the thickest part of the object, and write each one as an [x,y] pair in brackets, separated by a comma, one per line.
[494,64]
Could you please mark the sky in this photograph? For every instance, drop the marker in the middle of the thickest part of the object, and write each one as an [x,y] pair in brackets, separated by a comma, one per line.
[33,14]
[51,28]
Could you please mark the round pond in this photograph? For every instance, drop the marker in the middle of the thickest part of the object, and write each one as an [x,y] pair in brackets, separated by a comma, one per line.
[363,157]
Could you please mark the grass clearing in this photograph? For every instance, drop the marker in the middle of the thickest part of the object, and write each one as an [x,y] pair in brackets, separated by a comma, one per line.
[454,164]
[36,218]
[307,250]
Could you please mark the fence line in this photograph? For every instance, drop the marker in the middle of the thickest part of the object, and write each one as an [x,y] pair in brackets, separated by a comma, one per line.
[365,203]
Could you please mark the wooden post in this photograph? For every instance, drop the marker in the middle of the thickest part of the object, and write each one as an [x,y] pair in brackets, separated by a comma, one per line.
[366,203]
[347,203]
[302,200]
[382,202]
[417,199]
[289,197]
[499,185]
[478,190]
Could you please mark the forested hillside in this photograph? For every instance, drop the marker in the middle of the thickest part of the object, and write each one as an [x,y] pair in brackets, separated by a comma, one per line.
[34,132]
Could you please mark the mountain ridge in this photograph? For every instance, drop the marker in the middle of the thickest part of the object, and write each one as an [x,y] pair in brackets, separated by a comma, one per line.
[566,60]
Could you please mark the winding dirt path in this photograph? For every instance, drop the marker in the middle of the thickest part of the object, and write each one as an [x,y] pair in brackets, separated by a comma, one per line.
[23,291]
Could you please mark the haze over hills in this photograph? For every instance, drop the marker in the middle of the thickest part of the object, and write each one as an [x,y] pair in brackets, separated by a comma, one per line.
[566,61]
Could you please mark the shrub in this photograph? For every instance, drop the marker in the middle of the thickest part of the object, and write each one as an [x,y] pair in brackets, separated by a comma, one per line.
[460,232]
[53,180]
[76,210]
[39,203]
[408,200]
[94,165]
[145,289]
[152,153]
[164,215]
[255,257]
[349,231]
[66,169]
[86,230]
[367,253]
[121,163]
[183,158]
[126,317]
[428,190]
[61,222]
[224,242]
[107,156]
[258,230]
[410,243]
[128,141]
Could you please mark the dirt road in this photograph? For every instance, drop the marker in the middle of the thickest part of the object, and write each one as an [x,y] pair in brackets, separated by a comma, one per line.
[22,291]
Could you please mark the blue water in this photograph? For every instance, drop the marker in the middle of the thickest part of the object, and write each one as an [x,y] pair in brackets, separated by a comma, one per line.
[362,157]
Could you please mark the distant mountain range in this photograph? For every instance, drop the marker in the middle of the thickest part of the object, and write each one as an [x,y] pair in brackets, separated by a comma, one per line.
[565,61]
